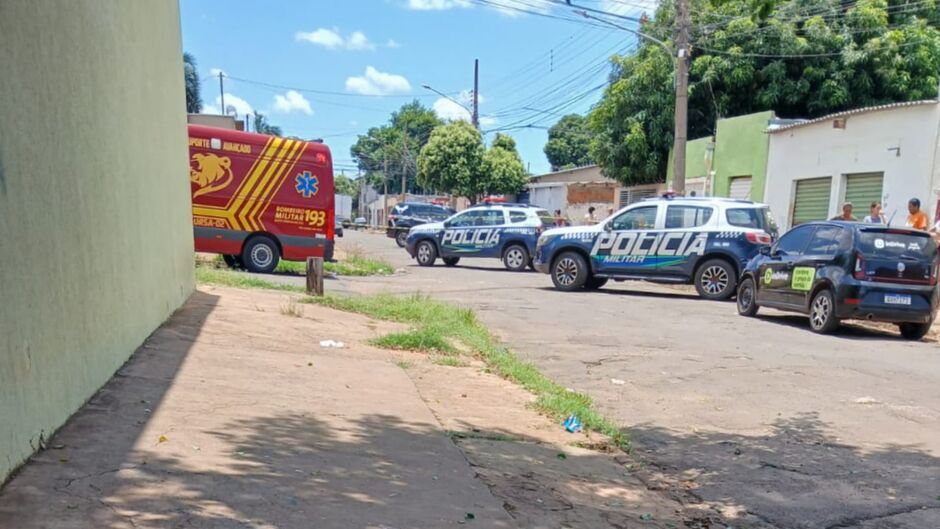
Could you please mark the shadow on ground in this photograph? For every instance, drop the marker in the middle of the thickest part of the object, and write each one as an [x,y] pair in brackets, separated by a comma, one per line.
[798,476]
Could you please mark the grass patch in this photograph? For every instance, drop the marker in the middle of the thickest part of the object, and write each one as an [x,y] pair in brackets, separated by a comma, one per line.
[449,361]
[453,434]
[209,275]
[405,364]
[292,308]
[424,339]
[440,323]
[353,265]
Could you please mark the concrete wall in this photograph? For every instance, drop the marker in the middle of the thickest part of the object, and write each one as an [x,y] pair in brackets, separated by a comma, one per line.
[95,224]
[868,143]
[695,164]
[741,150]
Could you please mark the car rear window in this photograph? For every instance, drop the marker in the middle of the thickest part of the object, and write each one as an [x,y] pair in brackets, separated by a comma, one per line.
[897,244]
[756,218]
[517,217]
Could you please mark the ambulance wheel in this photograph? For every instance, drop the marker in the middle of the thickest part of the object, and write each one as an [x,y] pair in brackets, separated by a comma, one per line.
[714,279]
[451,261]
[233,261]
[401,238]
[426,253]
[594,283]
[569,271]
[515,258]
[261,255]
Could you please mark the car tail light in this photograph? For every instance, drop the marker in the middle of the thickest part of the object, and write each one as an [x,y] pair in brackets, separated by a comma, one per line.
[859,266]
[758,237]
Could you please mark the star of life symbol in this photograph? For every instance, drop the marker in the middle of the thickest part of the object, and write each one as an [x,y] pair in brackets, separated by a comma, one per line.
[307,184]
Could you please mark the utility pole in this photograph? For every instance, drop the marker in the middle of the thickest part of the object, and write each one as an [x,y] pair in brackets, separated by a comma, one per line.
[221,92]
[385,185]
[682,96]
[404,168]
[476,93]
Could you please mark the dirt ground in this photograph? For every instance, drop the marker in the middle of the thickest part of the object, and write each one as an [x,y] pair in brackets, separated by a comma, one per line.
[232,415]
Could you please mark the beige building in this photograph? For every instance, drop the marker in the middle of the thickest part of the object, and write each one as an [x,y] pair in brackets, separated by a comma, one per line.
[94,201]
[573,191]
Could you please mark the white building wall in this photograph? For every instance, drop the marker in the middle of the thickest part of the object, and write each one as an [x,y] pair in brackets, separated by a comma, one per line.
[868,143]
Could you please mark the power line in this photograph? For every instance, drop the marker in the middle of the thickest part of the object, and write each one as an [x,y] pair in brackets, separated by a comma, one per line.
[323,92]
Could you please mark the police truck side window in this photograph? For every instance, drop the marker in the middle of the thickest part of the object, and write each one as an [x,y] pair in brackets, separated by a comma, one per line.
[516,217]
[795,240]
[492,217]
[468,218]
[642,218]
[687,216]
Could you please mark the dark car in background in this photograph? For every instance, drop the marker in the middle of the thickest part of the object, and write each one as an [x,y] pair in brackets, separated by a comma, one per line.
[834,271]
[407,215]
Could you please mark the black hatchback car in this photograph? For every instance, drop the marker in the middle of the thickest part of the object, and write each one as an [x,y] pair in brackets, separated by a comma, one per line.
[407,215]
[834,271]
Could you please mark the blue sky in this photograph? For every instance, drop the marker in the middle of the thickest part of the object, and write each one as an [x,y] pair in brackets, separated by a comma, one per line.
[333,68]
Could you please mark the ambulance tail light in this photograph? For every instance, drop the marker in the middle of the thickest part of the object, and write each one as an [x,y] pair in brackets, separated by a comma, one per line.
[759,237]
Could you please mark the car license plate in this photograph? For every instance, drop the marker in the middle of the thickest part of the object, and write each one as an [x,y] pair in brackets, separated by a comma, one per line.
[897,299]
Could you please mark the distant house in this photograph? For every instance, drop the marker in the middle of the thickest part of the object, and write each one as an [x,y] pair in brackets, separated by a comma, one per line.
[886,153]
[573,191]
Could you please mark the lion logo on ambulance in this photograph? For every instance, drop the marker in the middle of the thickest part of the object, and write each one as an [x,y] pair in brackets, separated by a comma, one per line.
[210,173]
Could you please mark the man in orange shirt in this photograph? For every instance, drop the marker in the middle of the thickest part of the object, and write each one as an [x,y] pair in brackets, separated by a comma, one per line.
[917,218]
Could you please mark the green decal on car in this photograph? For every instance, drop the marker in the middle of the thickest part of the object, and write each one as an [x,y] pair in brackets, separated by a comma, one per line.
[803,277]
[768,276]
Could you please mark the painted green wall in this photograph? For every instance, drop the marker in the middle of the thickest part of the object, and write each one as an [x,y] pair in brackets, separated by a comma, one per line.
[95,225]
[694,160]
[741,149]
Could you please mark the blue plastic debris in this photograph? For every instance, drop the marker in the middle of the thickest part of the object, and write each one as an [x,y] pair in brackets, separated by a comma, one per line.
[572,424]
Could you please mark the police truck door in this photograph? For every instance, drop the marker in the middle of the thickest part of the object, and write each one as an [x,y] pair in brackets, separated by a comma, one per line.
[624,249]
[471,234]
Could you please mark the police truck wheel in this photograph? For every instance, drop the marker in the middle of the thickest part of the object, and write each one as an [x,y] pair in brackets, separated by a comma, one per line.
[594,283]
[261,255]
[515,258]
[570,272]
[822,316]
[747,298]
[426,253]
[914,331]
[714,279]
[401,238]
[233,261]
[451,261]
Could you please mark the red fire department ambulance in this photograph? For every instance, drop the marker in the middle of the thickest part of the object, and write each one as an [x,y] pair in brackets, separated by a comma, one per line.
[258,198]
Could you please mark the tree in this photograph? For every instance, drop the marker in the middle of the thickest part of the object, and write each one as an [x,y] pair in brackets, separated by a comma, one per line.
[503,167]
[191,78]
[800,58]
[345,185]
[396,146]
[453,161]
[261,126]
[569,143]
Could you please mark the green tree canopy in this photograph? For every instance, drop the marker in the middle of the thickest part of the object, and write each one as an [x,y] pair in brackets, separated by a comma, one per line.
[191,78]
[800,58]
[569,143]
[261,126]
[503,166]
[453,161]
[345,185]
[396,146]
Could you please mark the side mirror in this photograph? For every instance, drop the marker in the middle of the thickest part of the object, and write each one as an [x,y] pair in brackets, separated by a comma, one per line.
[765,250]
[608,226]
[447,224]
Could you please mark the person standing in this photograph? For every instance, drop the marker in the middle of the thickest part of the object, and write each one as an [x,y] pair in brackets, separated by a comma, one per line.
[875,216]
[590,218]
[846,213]
[917,218]
[560,221]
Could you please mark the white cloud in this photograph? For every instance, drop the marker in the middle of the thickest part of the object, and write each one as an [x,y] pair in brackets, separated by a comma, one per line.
[232,102]
[358,41]
[328,38]
[292,101]
[376,83]
[332,39]
[456,109]
[392,43]
[216,71]
[488,121]
[437,5]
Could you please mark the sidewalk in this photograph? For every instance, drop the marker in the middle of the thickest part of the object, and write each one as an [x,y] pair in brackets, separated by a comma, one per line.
[231,415]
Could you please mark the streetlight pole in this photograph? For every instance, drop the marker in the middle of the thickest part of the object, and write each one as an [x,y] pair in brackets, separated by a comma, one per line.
[476,94]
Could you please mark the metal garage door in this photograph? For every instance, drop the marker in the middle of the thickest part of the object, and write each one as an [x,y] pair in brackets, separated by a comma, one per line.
[812,200]
[862,189]
[629,196]
[740,187]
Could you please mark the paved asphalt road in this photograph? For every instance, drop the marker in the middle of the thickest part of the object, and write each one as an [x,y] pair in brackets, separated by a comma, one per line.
[762,418]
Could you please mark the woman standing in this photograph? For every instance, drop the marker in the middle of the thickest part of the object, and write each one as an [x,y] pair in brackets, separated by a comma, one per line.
[876,216]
